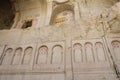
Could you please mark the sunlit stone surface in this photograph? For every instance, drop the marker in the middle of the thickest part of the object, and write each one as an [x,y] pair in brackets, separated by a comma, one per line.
[60,40]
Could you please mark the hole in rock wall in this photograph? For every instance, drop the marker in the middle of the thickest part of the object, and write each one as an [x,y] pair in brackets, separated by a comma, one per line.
[6,14]
[27,24]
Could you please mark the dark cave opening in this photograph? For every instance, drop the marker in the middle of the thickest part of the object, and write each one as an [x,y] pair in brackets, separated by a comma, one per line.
[6,14]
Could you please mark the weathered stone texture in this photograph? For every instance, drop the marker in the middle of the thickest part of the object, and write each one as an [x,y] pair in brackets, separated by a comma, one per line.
[82,42]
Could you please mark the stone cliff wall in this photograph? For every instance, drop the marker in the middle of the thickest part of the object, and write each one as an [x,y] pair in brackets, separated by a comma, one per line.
[85,47]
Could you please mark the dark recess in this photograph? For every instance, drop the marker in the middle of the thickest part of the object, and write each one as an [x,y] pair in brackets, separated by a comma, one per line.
[6,14]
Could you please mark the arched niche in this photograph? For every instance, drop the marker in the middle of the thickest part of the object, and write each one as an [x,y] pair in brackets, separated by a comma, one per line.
[89,52]
[116,48]
[27,55]
[61,1]
[57,54]
[62,13]
[7,57]
[77,51]
[100,51]
[7,14]
[1,50]
[17,56]
[42,55]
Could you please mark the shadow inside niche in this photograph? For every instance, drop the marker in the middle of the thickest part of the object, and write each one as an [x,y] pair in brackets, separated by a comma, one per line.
[6,14]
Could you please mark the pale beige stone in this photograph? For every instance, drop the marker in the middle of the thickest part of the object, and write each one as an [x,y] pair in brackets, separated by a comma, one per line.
[68,40]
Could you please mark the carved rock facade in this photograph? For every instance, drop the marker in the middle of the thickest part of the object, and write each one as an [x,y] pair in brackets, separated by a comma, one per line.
[62,40]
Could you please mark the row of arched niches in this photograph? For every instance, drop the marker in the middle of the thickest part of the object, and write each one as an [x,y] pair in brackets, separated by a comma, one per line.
[52,56]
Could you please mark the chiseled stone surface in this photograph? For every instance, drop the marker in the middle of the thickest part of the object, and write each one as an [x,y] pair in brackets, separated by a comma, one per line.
[68,40]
